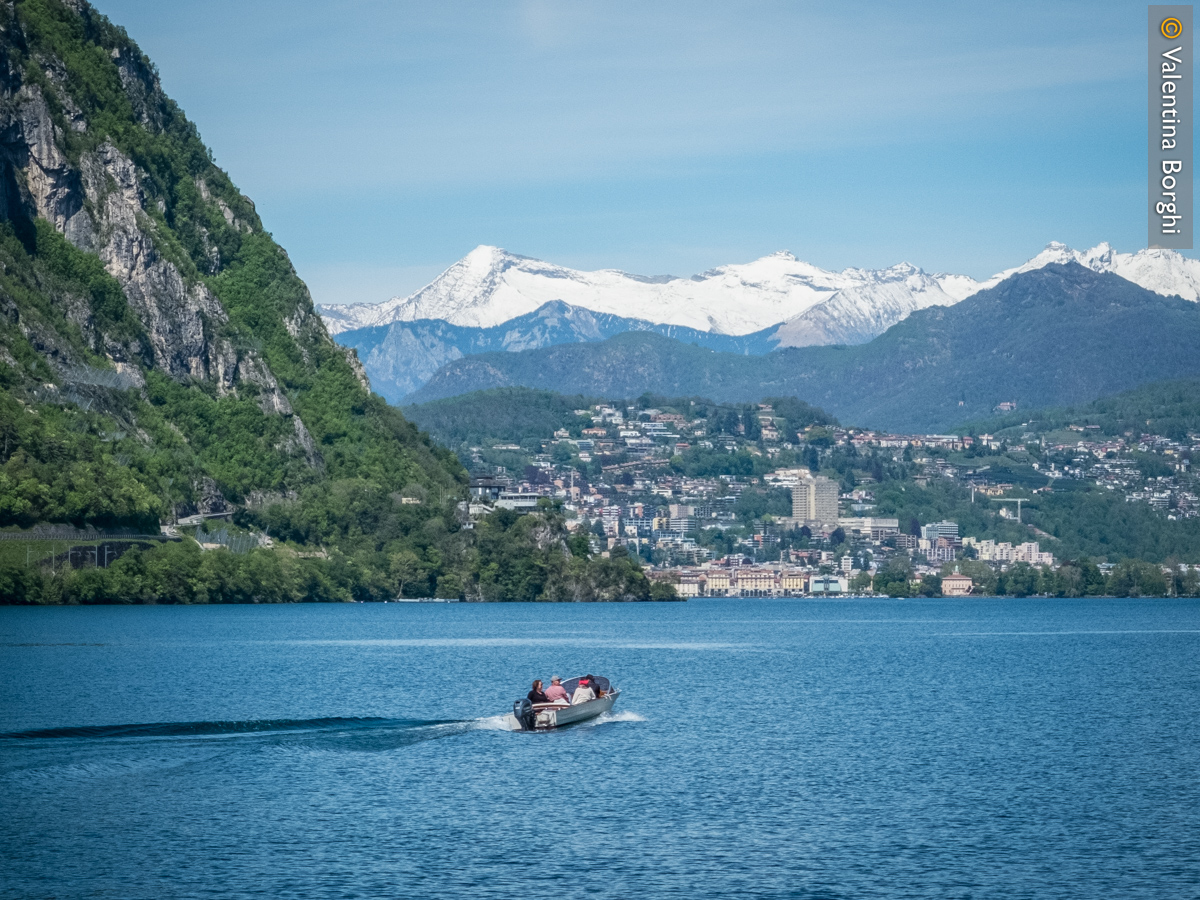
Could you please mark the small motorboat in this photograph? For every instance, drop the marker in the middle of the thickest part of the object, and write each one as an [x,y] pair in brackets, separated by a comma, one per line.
[528,716]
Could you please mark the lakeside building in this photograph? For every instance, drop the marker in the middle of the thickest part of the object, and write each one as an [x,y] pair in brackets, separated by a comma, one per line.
[956,585]
[718,583]
[711,580]
[793,583]
[828,584]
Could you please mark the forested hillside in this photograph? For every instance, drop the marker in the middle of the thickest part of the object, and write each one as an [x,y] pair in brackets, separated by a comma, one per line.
[161,359]
[1170,408]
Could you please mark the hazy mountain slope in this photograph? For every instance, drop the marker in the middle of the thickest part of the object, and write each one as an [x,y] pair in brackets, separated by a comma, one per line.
[504,415]
[401,357]
[1056,335]
[1170,408]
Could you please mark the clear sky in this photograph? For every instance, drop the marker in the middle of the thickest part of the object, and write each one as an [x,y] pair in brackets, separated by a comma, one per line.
[383,140]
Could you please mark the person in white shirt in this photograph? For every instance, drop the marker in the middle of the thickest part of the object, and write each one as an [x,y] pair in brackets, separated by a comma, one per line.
[584,692]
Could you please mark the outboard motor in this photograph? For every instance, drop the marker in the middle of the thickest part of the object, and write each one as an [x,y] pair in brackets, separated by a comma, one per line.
[523,713]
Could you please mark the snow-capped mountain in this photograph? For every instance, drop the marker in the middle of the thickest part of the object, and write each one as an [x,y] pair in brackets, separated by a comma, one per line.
[491,286]
[493,300]
[855,314]
[1165,272]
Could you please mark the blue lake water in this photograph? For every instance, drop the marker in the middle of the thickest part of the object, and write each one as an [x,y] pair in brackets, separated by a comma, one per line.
[799,749]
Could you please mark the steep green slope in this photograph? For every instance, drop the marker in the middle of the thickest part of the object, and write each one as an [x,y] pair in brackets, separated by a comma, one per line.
[1168,408]
[508,415]
[1058,335]
[160,358]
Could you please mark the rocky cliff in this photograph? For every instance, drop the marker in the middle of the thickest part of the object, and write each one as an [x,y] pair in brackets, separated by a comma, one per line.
[160,234]
[155,329]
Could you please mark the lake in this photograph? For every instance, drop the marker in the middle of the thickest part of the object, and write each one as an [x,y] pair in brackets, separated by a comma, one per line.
[761,748]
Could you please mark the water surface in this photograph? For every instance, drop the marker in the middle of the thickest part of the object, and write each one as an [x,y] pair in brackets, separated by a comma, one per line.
[790,748]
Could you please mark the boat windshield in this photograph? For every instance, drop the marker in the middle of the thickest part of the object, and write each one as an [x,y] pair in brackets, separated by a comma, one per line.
[571,683]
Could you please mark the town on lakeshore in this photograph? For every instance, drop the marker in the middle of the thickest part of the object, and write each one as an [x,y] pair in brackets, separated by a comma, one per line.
[792,531]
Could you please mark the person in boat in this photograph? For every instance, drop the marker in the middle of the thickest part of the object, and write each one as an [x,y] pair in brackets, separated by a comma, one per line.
[595,686]
[584,692]
[556,693]
[537,695]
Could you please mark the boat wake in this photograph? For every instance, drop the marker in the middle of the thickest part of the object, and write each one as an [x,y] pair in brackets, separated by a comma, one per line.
[201,729]
[327,734]
[103,751]
[491,723]
[623,716]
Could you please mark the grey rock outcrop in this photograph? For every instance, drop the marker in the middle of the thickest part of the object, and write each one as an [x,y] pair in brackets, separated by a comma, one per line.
[103,203]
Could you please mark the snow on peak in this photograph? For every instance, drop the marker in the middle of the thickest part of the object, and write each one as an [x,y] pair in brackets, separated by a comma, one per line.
[490,286]
[1165,272]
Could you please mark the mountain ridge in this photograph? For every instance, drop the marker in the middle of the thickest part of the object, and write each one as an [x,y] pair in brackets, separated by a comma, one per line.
[490,286]
[1082,334]
[467,292]
[853,306]
[402,356]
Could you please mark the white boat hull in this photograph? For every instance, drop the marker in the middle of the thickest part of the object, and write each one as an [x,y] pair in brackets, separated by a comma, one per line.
[550,716]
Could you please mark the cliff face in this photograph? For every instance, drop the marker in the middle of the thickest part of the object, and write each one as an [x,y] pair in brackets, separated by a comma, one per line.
[129,261]
[59,165]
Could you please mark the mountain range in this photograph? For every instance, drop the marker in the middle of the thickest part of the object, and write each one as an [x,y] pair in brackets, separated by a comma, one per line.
[494,300]
[1058,334]
[490,286]
[403,356]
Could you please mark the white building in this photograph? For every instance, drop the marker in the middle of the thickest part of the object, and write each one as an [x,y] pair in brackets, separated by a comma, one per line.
[935,530]
[815,501]
[519,502]
[877,528]
[1004,552]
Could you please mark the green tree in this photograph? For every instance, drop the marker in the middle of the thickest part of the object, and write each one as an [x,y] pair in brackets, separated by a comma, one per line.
[661,590]
[1020,580]
[405,568]
[931,586]
[894,579]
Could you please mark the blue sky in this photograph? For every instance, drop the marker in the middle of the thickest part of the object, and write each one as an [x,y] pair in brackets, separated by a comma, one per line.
[383,140]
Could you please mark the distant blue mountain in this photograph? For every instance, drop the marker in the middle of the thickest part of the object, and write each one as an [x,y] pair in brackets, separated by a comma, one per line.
[400,358]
